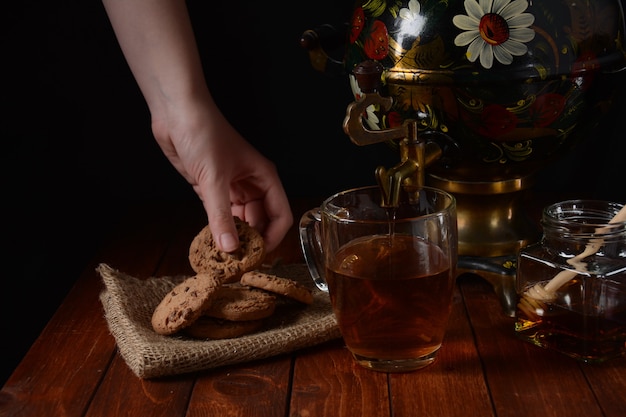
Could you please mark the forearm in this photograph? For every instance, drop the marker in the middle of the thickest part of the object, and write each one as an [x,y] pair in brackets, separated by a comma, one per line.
[157,40]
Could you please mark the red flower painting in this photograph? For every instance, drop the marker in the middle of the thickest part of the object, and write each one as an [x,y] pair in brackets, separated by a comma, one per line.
[376,45]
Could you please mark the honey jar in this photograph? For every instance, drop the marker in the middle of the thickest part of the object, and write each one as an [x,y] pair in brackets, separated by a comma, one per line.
[571,286]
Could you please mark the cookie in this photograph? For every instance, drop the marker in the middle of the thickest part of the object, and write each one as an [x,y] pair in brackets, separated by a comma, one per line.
[237,303]
[206,327]
[185,303]
[283,286]
[204,256]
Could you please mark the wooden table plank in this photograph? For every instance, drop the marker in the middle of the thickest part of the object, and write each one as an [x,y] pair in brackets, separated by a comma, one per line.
[64,383]
[452,386]
[524,379]
[608,382]
[259,388]
[122,393]
[326,379]
[74,369]
[167,397]
[328,382]
[50,382]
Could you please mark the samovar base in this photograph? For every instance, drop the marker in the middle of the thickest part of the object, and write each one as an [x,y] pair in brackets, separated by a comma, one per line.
[494,224]
[499,272]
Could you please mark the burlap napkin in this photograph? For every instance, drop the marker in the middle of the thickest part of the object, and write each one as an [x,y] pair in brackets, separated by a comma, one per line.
[129,302]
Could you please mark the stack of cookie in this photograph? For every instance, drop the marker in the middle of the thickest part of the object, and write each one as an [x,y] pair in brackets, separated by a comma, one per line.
[229,296]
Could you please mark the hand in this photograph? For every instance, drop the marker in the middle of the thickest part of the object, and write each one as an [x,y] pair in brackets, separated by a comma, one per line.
[227,173]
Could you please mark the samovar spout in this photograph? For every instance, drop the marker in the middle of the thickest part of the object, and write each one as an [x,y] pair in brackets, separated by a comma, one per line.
[408,175]
[415,154]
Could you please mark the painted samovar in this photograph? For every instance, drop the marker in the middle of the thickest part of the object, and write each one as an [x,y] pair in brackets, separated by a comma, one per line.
[478,96]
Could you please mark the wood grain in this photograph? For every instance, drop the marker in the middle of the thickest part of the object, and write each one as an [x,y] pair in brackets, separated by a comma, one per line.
[74,369]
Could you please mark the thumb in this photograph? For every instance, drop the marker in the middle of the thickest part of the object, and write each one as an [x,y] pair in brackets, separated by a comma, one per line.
[221,222]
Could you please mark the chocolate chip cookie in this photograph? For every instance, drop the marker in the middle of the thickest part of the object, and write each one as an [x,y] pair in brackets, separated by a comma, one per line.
[204,256]
[206,327]
[185,303]
[283,286]
[238,303]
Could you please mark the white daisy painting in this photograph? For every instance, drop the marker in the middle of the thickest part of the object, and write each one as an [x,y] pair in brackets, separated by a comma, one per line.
[494,29]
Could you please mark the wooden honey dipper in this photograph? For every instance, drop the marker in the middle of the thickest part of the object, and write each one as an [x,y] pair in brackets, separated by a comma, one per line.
[534,298]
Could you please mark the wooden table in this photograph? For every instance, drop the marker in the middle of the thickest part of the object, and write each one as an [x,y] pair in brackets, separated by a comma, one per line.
[74,369]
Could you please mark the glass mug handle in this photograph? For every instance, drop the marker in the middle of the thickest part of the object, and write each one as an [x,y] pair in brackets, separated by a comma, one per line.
[310,242]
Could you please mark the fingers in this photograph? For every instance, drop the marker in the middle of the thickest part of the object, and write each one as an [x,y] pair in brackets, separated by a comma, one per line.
[247,187]
[221,221]
[253,213]
[276,231]
[272,217]
[273,229]
[279,216]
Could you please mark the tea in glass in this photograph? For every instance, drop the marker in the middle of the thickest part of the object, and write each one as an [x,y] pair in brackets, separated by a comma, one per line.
[390,273]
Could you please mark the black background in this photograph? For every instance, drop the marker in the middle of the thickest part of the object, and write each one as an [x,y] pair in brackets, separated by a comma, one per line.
[77,146]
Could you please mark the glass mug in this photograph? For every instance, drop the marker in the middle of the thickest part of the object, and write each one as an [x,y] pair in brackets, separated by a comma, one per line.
[390,273]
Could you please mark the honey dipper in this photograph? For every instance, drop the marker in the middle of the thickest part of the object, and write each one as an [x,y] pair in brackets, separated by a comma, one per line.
[534,298]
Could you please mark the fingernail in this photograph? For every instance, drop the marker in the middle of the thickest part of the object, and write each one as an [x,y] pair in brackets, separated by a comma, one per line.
[228,242]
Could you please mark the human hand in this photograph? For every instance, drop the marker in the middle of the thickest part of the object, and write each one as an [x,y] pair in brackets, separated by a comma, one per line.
[229,175]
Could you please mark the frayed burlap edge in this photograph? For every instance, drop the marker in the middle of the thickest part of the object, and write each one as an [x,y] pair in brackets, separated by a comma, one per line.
[129,302]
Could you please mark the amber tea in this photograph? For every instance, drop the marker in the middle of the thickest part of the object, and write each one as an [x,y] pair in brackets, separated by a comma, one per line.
[389,272]
[391,296]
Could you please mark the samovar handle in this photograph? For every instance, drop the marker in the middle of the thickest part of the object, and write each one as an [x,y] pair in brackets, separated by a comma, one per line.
[415,154]
[368,75]
[315,41]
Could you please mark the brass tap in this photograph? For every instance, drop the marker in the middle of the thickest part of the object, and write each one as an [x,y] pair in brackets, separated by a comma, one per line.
[408,174]
[415,154]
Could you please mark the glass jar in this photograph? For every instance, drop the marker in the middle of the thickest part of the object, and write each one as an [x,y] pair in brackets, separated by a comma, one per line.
[571,285]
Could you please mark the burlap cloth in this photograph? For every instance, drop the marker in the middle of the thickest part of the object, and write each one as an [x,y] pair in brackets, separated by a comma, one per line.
[129,302]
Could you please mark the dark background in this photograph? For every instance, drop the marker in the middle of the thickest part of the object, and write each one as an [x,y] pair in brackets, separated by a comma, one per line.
[77,145]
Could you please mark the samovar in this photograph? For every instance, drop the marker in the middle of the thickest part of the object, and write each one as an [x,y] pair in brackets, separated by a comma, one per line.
[477,96]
